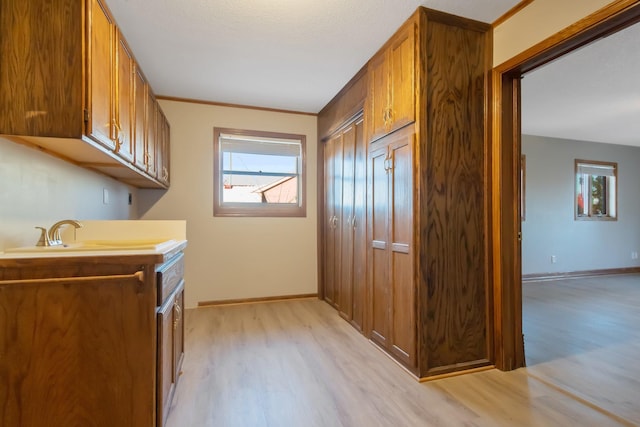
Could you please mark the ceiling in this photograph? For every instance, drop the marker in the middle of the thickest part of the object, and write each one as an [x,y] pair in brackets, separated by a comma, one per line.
[592,94]
[297,54]
[282,54]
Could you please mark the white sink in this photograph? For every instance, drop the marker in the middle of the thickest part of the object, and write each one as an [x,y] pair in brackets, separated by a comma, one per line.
[100,245]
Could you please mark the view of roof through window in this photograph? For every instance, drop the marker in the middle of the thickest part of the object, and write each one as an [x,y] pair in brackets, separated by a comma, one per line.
[260,170]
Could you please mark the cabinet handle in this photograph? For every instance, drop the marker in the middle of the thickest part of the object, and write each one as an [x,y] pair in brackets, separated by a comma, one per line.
[118,136]
[178,313]
[353,222]
[387,115]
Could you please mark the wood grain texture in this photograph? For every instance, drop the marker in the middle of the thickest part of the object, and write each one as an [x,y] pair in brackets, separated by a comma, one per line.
[53,374]
[124,94]
[453,232]
[344,247]
[101,95]
[346,104]
[297,363]
[41,68]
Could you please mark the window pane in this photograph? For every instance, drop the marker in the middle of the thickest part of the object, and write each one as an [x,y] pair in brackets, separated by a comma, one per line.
[598,195]
[258,173]
[595,191]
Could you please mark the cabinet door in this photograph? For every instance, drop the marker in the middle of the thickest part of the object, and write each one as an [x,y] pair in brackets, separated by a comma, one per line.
[163,147]
[359,228]
[378,97]
[124,100]
[140,114]
[166,361]
[333,197]
[101,33]
[178,332]
[380,299]
[346,222]
[402,78]
[401,237]
[152,135]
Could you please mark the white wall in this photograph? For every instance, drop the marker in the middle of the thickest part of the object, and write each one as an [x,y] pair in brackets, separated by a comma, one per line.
[234,258]
[550,227]
[37,190]
[536,22]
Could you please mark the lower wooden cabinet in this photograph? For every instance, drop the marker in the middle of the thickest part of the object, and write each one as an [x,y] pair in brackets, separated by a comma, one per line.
[170,349]
[85,342]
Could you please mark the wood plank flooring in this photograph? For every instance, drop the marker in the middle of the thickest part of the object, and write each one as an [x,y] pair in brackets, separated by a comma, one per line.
[582,336]
[297,363]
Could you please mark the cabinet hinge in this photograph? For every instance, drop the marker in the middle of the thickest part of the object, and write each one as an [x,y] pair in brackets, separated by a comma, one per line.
[86,115]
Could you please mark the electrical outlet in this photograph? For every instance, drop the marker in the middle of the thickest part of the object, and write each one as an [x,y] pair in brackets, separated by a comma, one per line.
[634,255]
[105,196]
[553,259]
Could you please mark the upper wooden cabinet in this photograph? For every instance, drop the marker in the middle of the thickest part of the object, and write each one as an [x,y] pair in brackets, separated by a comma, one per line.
[163,132]
[101,76]
[124,100]
[70,85]
[392,77]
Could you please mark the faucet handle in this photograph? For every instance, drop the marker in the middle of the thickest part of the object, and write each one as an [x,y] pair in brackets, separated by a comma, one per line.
[44,237]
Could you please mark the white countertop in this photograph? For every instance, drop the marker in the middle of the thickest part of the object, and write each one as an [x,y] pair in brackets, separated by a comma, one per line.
[110,238]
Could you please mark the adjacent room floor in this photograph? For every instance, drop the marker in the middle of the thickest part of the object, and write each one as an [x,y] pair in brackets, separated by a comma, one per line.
[582,336]
[297,363]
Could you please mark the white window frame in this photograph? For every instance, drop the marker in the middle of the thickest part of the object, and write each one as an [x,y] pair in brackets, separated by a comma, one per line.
[584,171]
[247,209]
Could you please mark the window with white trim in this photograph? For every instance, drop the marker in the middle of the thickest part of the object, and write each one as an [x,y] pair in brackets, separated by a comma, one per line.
[258,173]
[596,190]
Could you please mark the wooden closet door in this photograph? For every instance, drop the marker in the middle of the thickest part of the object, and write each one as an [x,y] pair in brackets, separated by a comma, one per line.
[333,194]
[402,277]
[345,293]
[380,300]
[359,228]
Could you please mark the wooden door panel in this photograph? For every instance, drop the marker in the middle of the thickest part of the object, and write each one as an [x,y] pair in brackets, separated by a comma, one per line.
[166,363]
[402,92]
[378,97]
[359,229]
[178,333]
[151,154]
[403,322]
[101,75]
[139,112]
[333,174]
[402,283]
[124,100]
[346,229]
[380,298]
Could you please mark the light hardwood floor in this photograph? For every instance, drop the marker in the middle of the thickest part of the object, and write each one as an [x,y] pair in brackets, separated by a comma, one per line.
[582,336]
[296,363]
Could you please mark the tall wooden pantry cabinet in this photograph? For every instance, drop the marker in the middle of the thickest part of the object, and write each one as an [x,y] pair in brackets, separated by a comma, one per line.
[427,297]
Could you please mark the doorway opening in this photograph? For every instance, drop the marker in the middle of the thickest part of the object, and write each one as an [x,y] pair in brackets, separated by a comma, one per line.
[507,149]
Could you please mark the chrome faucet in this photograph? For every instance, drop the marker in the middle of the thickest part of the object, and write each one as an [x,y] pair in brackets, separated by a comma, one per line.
[52,237]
